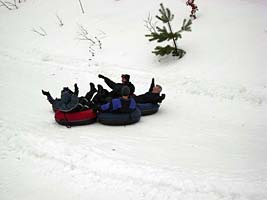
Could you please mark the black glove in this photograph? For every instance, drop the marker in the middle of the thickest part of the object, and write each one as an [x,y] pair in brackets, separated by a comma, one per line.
[76,89]
[162,97]
[153,81]
[45,93]
[101,76]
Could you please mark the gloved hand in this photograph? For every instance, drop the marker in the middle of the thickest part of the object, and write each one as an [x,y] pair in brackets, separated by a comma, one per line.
[101,76]
[153,81]
[45,93]
[162,97]
[76,86]
[76,89]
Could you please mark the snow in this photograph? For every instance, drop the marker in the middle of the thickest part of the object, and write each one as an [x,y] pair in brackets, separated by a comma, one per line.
[208,141]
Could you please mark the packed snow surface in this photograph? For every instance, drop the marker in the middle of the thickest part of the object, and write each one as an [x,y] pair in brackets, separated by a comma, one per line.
[209,139]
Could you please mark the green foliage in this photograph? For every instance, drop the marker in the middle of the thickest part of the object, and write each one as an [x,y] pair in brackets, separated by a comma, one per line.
[179,53]
[162,34]
[166,15]
[187,25]
[162,51]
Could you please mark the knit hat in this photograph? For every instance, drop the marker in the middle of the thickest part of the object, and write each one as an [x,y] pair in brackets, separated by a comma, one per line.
[126,76]
[125,91]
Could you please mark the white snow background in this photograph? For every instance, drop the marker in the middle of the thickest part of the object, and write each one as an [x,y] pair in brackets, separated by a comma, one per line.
[207,142]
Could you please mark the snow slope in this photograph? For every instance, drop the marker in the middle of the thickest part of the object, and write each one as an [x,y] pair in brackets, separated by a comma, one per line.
[207,142]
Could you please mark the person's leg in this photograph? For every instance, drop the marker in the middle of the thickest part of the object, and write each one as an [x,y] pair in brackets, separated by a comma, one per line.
[91,93]
[49,97]
[85,104]
[100,96]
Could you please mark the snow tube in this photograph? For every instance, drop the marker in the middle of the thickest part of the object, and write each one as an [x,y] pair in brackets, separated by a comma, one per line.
[119,118]
[75,118]
[148,108]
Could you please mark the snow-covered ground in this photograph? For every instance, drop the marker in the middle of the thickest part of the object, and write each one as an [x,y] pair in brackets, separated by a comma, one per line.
[209,139]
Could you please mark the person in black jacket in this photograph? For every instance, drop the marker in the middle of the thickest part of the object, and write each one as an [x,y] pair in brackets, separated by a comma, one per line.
[116,87]
[152,96]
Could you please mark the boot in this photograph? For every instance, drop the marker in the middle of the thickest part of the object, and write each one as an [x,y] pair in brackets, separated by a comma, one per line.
[99,89]
[45,93]
[92,87]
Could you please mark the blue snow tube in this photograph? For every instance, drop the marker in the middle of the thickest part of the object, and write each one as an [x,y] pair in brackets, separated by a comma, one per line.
[108,118]
[148,108]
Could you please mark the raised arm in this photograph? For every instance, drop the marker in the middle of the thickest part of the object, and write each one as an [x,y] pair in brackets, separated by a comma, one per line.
[152,85]
[76,89]
[109,82]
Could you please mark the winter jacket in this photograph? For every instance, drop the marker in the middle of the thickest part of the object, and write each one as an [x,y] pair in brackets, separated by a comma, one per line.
[149,97]
[119,105]
[116,87]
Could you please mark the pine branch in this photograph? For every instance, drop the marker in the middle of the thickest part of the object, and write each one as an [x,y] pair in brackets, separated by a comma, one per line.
[186,25]
[166,15]
[162,35]
[162,51]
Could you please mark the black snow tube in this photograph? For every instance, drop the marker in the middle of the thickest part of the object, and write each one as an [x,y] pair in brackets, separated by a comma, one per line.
[116,119]
[148,108]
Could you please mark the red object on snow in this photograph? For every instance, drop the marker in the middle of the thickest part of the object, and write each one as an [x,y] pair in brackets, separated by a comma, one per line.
[75,118]
[193,8]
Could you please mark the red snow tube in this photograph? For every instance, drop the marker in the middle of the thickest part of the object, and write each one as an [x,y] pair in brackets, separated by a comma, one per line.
[75,118]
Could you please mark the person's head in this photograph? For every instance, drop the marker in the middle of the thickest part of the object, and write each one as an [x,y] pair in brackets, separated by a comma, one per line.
[66,89]
[125,78]
[125,91]
[156,89]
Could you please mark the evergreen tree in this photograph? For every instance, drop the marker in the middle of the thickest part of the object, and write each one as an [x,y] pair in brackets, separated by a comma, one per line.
[162,34]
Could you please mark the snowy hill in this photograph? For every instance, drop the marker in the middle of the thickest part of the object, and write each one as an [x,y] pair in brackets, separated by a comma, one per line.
[208,141]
